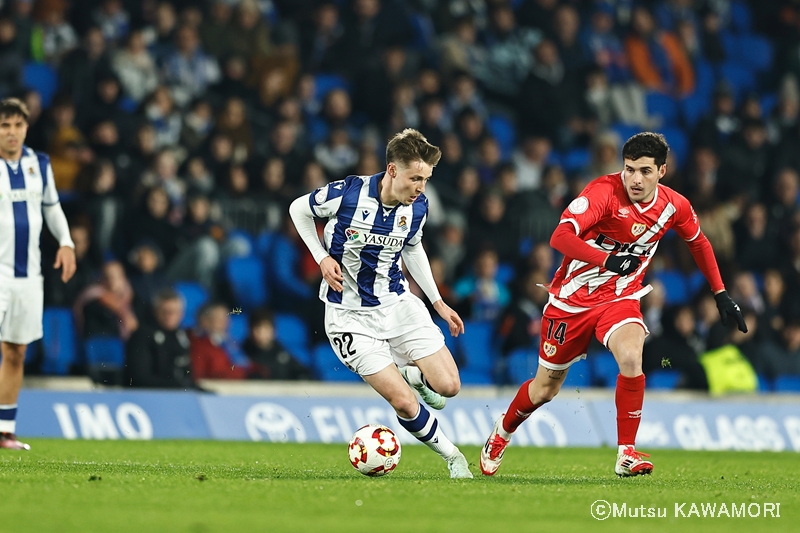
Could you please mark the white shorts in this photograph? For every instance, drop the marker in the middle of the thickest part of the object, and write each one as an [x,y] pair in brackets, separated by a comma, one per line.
[370,340]
[21,302]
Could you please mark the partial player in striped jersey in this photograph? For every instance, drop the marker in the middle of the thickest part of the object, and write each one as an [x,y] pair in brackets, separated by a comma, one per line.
[374,323]
[28,198]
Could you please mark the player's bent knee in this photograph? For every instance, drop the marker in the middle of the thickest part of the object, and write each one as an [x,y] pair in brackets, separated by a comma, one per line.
[449,387]
[406,406]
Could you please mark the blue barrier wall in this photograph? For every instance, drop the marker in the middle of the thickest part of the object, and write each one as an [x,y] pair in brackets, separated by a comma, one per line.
[699,425]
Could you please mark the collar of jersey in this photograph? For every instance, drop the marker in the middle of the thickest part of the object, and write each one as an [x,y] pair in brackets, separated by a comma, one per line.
[637,204]
[374,180]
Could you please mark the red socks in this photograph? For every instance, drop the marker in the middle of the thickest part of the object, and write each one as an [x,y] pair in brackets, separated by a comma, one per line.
[520,409]
[629,399]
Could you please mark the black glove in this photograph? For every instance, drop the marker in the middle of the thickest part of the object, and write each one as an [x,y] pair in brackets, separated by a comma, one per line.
[622,264]
[728,307]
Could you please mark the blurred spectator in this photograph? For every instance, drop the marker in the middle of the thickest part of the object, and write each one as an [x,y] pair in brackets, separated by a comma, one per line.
[197,125]
[567,23]
[136,68]
[678,348]
[250,34]
[321,42]
[771,321]
[336,155]
[113,19]
[721,122]
[520,324]
[199,253]
[783,209]
[106,307]
[784,119]
[188,71]
[653,310]
[711,39]
[10,59]
[151,221]
[232,121]
[373,93]
[160,111]
[160,37]
[745,163]
[164,173]
[491,227]
[21,14]
[756,241]
[605,155]
[657,58]
[702,175]
[460,50]
[451,245]
[147,278]
[106,105]
[215,32]
[157,355]
[530,160]
[509,55]
[53,36]
[233,83]
[373,26]
[103,207]
[480,292]
[214,355]
[60,294]
[65,141]
[269,358]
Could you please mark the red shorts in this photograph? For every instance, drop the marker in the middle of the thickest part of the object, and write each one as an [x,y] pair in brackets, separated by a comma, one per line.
[566,336]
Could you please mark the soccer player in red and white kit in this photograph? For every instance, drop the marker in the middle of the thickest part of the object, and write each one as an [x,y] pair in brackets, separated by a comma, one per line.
[608,236]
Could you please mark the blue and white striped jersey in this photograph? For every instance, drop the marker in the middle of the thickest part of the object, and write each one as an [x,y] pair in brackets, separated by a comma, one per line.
[25,187]
[366,238]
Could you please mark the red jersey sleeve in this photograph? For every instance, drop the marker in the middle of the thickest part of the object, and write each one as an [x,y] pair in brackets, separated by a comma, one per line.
[590,207]
[686,223]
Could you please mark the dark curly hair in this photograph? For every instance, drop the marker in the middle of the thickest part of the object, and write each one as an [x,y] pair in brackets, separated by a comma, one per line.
[646,144]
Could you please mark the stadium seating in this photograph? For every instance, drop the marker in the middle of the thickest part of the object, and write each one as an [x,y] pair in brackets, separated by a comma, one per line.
[693,108]
[105,359]
[678,143]
[292,332]
[238,329]
[263,244]
[329,368]
[522,365]
[503,131]
[247,280]
[741,19]
[194,296]
[325,83]
[449,340]
[59,343]
[579,375]
[475,347]
[604,368]
[576,159]
[663,379]
[664,107]
[754,52]
[787,384]
[42,78]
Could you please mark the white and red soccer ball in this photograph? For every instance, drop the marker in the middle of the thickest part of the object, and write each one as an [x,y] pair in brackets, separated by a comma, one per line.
[374,450]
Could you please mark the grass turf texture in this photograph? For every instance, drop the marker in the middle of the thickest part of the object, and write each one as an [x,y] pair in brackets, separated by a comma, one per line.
[193,486]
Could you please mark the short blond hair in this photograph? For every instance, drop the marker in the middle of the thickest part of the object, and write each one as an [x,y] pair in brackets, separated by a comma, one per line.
[410,145]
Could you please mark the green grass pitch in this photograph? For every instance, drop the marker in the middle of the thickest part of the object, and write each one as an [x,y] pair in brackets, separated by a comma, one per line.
[199,486]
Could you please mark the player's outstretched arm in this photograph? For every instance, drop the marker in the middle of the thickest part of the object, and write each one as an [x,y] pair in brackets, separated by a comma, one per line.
[454,321]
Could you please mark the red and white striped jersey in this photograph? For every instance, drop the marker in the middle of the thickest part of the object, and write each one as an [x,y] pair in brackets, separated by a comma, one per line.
[606,219]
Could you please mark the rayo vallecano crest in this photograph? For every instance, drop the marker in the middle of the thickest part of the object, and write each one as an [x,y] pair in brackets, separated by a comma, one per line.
[637,229]
[549,349]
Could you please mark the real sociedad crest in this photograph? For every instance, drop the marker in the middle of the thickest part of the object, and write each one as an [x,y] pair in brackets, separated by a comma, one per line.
[637,229]
[402,224]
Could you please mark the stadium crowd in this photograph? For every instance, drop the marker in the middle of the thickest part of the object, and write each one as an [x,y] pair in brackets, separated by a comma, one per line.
[179,132]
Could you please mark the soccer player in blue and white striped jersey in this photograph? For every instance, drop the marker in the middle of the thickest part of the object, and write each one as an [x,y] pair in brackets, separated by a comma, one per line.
[373,322]
[28,198]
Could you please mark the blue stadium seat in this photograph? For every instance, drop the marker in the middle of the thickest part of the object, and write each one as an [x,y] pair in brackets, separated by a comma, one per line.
[730,43]
[503,132]
[678,143]
[579,375]
[663,379]
[624,131]
[108,352]
[194,296]
[43,79]
[475,377]
[505,273]
[59,344]
[663,106]
[247,279]
[704,79]
[476,346]
[263,245]
[768,103]
[765,384]
[755,52]
[694,107]
[325,83]
[787,384]
[424,32]
[329,368]
[676,291]
[576,159]
[741,19]
[604,368]
[244,243]
[239,328]
[522,365]
[292,332]
[740,78]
